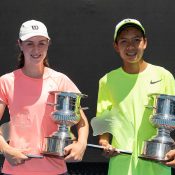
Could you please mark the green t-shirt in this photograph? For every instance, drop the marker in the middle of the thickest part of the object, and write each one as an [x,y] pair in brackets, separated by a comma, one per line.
[127,94]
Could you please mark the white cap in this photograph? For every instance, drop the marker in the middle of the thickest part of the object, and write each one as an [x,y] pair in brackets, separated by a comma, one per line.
[126,23]
[32,28]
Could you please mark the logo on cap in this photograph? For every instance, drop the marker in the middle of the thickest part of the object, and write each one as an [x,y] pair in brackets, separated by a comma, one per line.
[127,20]
[35,27]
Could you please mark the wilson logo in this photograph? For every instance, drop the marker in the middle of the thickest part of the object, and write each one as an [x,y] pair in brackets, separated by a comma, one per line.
[35,27]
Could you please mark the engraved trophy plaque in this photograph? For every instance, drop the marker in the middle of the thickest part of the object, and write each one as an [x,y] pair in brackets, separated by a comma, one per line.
[163,118]
[66,114]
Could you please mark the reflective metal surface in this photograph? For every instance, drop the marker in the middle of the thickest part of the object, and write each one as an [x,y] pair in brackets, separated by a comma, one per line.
[121,151]
[66,113]
[163,118]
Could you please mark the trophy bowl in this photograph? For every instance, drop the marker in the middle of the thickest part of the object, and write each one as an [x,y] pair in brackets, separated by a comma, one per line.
[66,114]
[163,118]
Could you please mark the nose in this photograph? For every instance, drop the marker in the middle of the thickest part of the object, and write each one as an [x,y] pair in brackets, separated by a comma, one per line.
[36,49]
[130,44]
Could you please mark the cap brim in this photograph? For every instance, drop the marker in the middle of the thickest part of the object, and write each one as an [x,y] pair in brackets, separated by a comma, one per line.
[27,36]
[129,24]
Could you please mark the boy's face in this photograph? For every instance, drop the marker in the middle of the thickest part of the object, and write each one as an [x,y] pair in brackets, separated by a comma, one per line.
[130,45]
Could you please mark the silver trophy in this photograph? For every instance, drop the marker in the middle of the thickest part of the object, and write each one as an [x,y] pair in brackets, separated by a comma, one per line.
[163,118]
[66,114]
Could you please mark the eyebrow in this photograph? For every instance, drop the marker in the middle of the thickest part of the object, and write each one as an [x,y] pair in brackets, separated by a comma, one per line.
[132,37]
[33,41]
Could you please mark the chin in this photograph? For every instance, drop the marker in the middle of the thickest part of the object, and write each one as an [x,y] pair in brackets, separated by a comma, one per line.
[134,60]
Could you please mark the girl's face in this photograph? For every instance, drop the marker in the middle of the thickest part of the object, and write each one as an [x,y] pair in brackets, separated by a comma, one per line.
[130,45]
[34,49]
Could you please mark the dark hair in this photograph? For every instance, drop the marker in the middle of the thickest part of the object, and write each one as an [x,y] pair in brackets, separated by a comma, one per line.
[21,60]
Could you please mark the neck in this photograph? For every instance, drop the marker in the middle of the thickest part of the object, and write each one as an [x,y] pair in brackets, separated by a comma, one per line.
[135,68]
[34,72]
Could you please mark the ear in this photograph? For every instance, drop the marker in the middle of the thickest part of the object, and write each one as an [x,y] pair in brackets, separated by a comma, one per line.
[115,45]
[50,42]
[145,41]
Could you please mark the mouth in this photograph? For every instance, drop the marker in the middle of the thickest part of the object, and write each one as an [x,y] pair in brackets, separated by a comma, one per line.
[131,54]
[36,56]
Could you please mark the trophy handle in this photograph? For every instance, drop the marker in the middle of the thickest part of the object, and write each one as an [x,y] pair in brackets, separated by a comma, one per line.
[52,104]
[150,107]
[102,147]
[34,156]
[84,108]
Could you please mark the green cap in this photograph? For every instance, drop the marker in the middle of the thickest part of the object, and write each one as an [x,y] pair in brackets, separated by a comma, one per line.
[128,22]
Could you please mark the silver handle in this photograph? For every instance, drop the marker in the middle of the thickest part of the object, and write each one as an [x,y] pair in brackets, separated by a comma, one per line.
[102,147]
[150,107]
[30,155]
[84,108]
[34,156]
[51,104]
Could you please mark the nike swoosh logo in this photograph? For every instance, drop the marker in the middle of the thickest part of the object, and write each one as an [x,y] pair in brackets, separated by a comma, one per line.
[153,82]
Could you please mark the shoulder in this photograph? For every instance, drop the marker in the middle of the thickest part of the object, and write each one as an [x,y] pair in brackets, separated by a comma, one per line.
[111,74]
[63,81]
[8,79]
[160,69]
[161,73]
[10,75]
[59,77]
[55,74]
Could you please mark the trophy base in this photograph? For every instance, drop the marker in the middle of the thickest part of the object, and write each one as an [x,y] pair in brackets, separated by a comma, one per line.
[156,151]
[156,159]
[54,146]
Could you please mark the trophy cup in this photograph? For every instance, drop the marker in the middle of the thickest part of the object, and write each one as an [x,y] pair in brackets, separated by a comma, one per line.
[163,119]
[66,114]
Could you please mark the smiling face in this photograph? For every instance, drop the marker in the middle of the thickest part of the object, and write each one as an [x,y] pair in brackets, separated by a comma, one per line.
[34,50]
[130,45]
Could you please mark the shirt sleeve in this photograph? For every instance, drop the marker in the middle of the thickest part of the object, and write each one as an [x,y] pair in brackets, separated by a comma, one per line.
[170,83]
[104,103]
[3,91]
